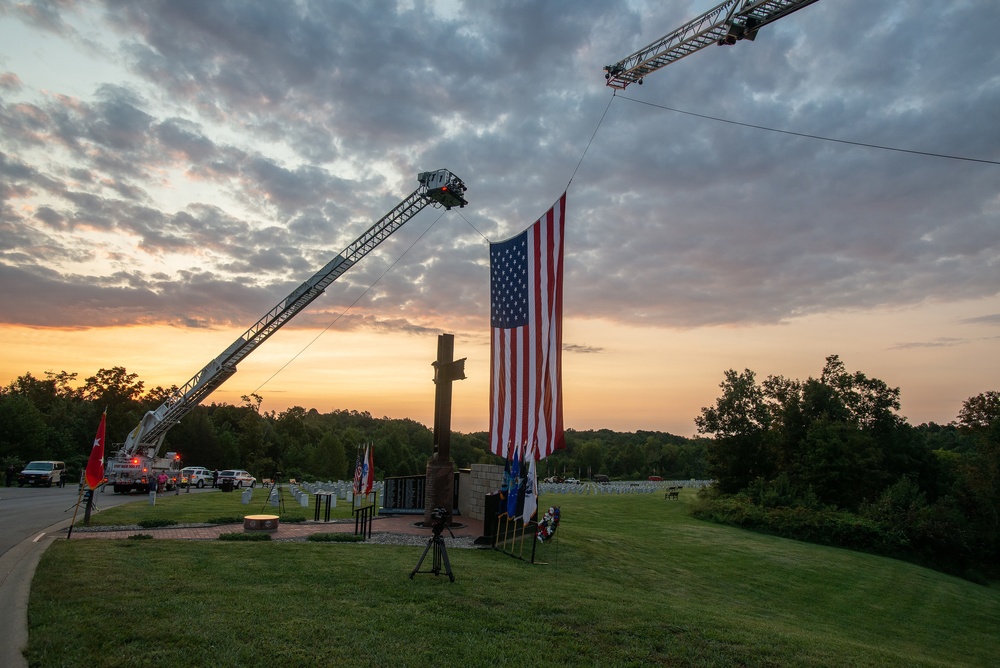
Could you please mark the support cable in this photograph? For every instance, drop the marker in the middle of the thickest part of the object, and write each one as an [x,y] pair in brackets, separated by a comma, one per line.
[352,305]
[809,136]
[599,123]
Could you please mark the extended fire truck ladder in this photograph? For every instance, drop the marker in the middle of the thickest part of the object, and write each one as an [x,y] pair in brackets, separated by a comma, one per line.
[440,188]
[724,25]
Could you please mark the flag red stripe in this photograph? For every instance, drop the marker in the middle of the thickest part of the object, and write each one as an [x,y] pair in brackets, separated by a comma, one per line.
[526,362]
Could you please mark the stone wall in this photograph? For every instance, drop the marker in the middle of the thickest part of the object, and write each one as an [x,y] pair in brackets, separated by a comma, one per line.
[477,482]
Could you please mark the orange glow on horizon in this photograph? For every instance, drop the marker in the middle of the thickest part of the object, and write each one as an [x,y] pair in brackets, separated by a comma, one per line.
[633,378]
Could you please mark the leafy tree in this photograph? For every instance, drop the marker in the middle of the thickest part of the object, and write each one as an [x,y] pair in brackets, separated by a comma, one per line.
[329,462]
[113,386]
[590,457]
[469,449]
[740,421]
[157,396]
[980,470]
[980,413]
[23,431]
[741,411]
[870,402]
[943,437]
[197,440]
[119,392]
[838,463]
[63,384]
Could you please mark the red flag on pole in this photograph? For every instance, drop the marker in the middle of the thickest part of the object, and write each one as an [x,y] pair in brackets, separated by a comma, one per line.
[369,469]
[526,344]
[95,465]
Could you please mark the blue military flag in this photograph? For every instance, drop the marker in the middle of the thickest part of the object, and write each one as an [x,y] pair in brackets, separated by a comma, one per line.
[515,483]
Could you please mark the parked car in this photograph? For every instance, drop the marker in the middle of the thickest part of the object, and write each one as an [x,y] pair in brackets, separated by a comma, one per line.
[43,473]
[197,476]
[238,477]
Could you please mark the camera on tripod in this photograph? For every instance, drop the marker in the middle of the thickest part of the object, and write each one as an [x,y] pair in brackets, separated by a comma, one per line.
[439,522]
[439,518]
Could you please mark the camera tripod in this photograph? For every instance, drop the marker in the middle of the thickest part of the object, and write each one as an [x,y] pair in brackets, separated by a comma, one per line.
[275,486]
[440,552]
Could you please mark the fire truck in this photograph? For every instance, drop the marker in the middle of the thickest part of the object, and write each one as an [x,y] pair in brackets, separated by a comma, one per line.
[140,471]
[136,462]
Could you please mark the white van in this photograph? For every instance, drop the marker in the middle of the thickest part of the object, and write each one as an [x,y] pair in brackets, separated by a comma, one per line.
[43,473]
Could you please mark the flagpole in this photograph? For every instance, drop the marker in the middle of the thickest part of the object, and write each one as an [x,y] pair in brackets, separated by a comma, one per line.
[506,527]
[75,509]
[520,553]
[95,468]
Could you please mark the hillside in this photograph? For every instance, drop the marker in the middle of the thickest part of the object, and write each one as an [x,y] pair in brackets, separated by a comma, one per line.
[630,580]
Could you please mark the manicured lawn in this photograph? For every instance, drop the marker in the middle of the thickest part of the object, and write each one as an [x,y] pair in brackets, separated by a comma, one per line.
[630,580]
[204,506]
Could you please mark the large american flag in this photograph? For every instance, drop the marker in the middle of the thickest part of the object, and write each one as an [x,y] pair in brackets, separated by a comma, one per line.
[526,320]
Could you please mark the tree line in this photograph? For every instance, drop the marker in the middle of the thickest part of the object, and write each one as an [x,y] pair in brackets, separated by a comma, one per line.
[56,416]
[830,459]
[827,459]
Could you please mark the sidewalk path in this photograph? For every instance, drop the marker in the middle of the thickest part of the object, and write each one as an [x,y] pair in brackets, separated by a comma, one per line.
[403,525]
[17,568]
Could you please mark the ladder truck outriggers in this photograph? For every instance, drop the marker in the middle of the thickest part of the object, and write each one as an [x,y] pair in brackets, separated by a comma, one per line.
[135,464]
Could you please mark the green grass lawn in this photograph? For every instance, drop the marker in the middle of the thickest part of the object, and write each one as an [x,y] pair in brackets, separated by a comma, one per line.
[630,580]
[206,506]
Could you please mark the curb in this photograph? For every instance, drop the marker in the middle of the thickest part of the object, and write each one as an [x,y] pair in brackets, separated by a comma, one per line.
[17,568]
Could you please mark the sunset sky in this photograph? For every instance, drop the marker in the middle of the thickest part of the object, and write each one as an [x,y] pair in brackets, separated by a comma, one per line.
[171,170]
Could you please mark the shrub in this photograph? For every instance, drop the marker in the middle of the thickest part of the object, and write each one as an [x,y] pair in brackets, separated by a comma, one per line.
[826,527]
[335,538]
[238,535]
[899,525]
[153,524]
[236,519]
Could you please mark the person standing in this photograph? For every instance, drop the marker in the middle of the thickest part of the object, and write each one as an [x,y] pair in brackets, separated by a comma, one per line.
[215,477]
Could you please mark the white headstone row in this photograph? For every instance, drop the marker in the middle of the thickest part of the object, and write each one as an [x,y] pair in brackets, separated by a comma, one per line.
[298,494]
[343,489]
[619,487]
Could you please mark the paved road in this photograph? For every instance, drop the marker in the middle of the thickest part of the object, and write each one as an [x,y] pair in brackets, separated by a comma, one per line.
[26,511]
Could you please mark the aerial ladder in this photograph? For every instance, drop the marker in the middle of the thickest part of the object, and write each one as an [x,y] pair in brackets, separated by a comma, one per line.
[723,25]
[438,188]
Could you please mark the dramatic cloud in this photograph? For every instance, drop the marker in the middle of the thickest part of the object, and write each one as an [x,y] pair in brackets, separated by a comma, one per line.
[225,151]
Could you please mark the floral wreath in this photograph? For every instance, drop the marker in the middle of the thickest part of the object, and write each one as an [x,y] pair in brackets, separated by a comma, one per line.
[547,526]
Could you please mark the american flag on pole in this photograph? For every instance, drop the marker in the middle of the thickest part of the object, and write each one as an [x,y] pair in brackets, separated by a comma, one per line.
[357,473]
[526,345]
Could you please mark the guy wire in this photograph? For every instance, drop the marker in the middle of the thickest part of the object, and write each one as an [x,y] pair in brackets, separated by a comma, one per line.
[342,313]
[590,142]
